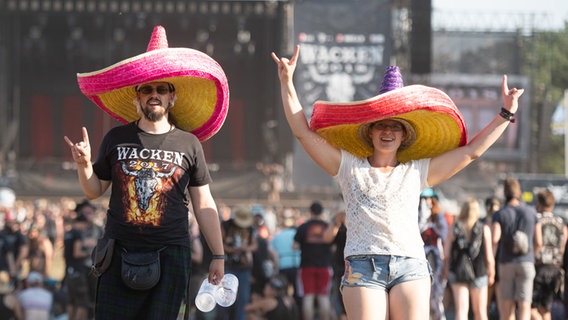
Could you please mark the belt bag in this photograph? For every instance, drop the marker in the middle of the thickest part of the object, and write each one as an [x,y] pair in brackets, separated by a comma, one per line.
[141,270]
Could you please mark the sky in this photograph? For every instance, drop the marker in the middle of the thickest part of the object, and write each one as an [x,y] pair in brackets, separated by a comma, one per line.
[555,10]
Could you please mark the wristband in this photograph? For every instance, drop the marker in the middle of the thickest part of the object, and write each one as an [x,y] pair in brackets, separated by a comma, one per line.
[507,115]
[218,257]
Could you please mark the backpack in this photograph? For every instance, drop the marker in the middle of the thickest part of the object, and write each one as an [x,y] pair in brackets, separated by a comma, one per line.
[464,252]
[552,233]
[520,239]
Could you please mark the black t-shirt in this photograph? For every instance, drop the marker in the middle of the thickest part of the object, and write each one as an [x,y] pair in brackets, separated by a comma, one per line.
[5,249]
[69,240]
[314,251]
[150,175]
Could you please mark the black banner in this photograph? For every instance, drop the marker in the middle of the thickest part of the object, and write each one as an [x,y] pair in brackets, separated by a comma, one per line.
[345,48]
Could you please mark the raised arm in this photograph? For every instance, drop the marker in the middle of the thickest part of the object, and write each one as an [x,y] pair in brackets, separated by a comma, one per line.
[447,164]
[92,186]
[323,153]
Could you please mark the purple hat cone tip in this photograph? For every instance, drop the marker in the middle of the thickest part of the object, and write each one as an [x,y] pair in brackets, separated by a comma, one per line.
[392,80]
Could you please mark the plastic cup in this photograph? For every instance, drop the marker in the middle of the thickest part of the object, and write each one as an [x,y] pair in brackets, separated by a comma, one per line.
[205,299]
[226,293]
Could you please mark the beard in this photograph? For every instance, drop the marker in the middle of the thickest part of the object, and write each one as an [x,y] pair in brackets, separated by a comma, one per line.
[152,113]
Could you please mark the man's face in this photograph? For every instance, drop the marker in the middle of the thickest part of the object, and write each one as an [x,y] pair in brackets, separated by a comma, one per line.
[155,99]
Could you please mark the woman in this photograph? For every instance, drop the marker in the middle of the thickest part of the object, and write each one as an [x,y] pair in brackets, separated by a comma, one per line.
[382,158]
[276,304]
[471,238]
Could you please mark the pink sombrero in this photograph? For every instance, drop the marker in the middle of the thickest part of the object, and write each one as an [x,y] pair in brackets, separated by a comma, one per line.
[200,83]
[437,123]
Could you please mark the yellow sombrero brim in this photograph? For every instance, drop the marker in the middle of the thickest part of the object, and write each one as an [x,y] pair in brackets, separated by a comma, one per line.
[438,124]
[201,88]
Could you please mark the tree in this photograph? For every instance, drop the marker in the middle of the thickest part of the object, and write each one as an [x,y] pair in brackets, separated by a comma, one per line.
[545,61]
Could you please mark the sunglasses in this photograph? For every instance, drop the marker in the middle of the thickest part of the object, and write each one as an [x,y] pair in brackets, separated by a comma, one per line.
[150,89]
[383,126]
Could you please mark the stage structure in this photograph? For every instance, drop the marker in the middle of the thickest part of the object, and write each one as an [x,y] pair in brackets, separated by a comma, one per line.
[45,43]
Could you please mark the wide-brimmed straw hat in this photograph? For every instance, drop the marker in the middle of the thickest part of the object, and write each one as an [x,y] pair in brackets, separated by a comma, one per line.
[243,217]
[199,81]
[432,122]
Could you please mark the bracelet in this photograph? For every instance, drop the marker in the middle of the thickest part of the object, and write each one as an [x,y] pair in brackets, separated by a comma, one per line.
[218,257]
[507,115]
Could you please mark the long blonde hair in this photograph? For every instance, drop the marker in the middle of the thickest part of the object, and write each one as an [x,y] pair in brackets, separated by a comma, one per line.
[469,214]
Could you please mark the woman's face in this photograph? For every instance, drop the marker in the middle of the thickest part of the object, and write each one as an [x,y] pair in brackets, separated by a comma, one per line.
[387,134]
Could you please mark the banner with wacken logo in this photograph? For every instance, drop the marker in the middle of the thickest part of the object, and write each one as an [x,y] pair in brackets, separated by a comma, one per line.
[345,47]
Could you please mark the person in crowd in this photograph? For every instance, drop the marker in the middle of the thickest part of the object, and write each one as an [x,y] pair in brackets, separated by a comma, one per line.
[548,261]
[264,257]
[275,303]
[40,253]
[35,300]
[492,205]
[78,245]
[288,256]
[315,264]
[383,152]
[17,241]
[170,99]
[7,256]
[469,263]
[336,234]
[516,267]
[240,242]
[10,308]
[434,229]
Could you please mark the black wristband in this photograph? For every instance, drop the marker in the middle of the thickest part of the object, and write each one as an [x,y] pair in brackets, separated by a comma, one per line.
[507,115]
[218,257]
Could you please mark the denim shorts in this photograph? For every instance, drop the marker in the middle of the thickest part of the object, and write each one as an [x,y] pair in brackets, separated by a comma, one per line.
[383,271]
[477,283]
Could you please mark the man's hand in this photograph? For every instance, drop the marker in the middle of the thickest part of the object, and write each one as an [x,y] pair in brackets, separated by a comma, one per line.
[81,150]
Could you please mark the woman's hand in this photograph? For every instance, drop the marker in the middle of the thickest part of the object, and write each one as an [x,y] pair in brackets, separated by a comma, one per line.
[510,96]
[286,67]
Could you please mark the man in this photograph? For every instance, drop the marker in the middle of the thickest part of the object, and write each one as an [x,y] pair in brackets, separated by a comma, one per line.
[516,270]
[156,166]
[549,277]
[315,264]
[288,257]
[78,244]
[36,301]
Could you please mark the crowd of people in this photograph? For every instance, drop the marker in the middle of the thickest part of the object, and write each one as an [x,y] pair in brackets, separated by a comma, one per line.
[290,261]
